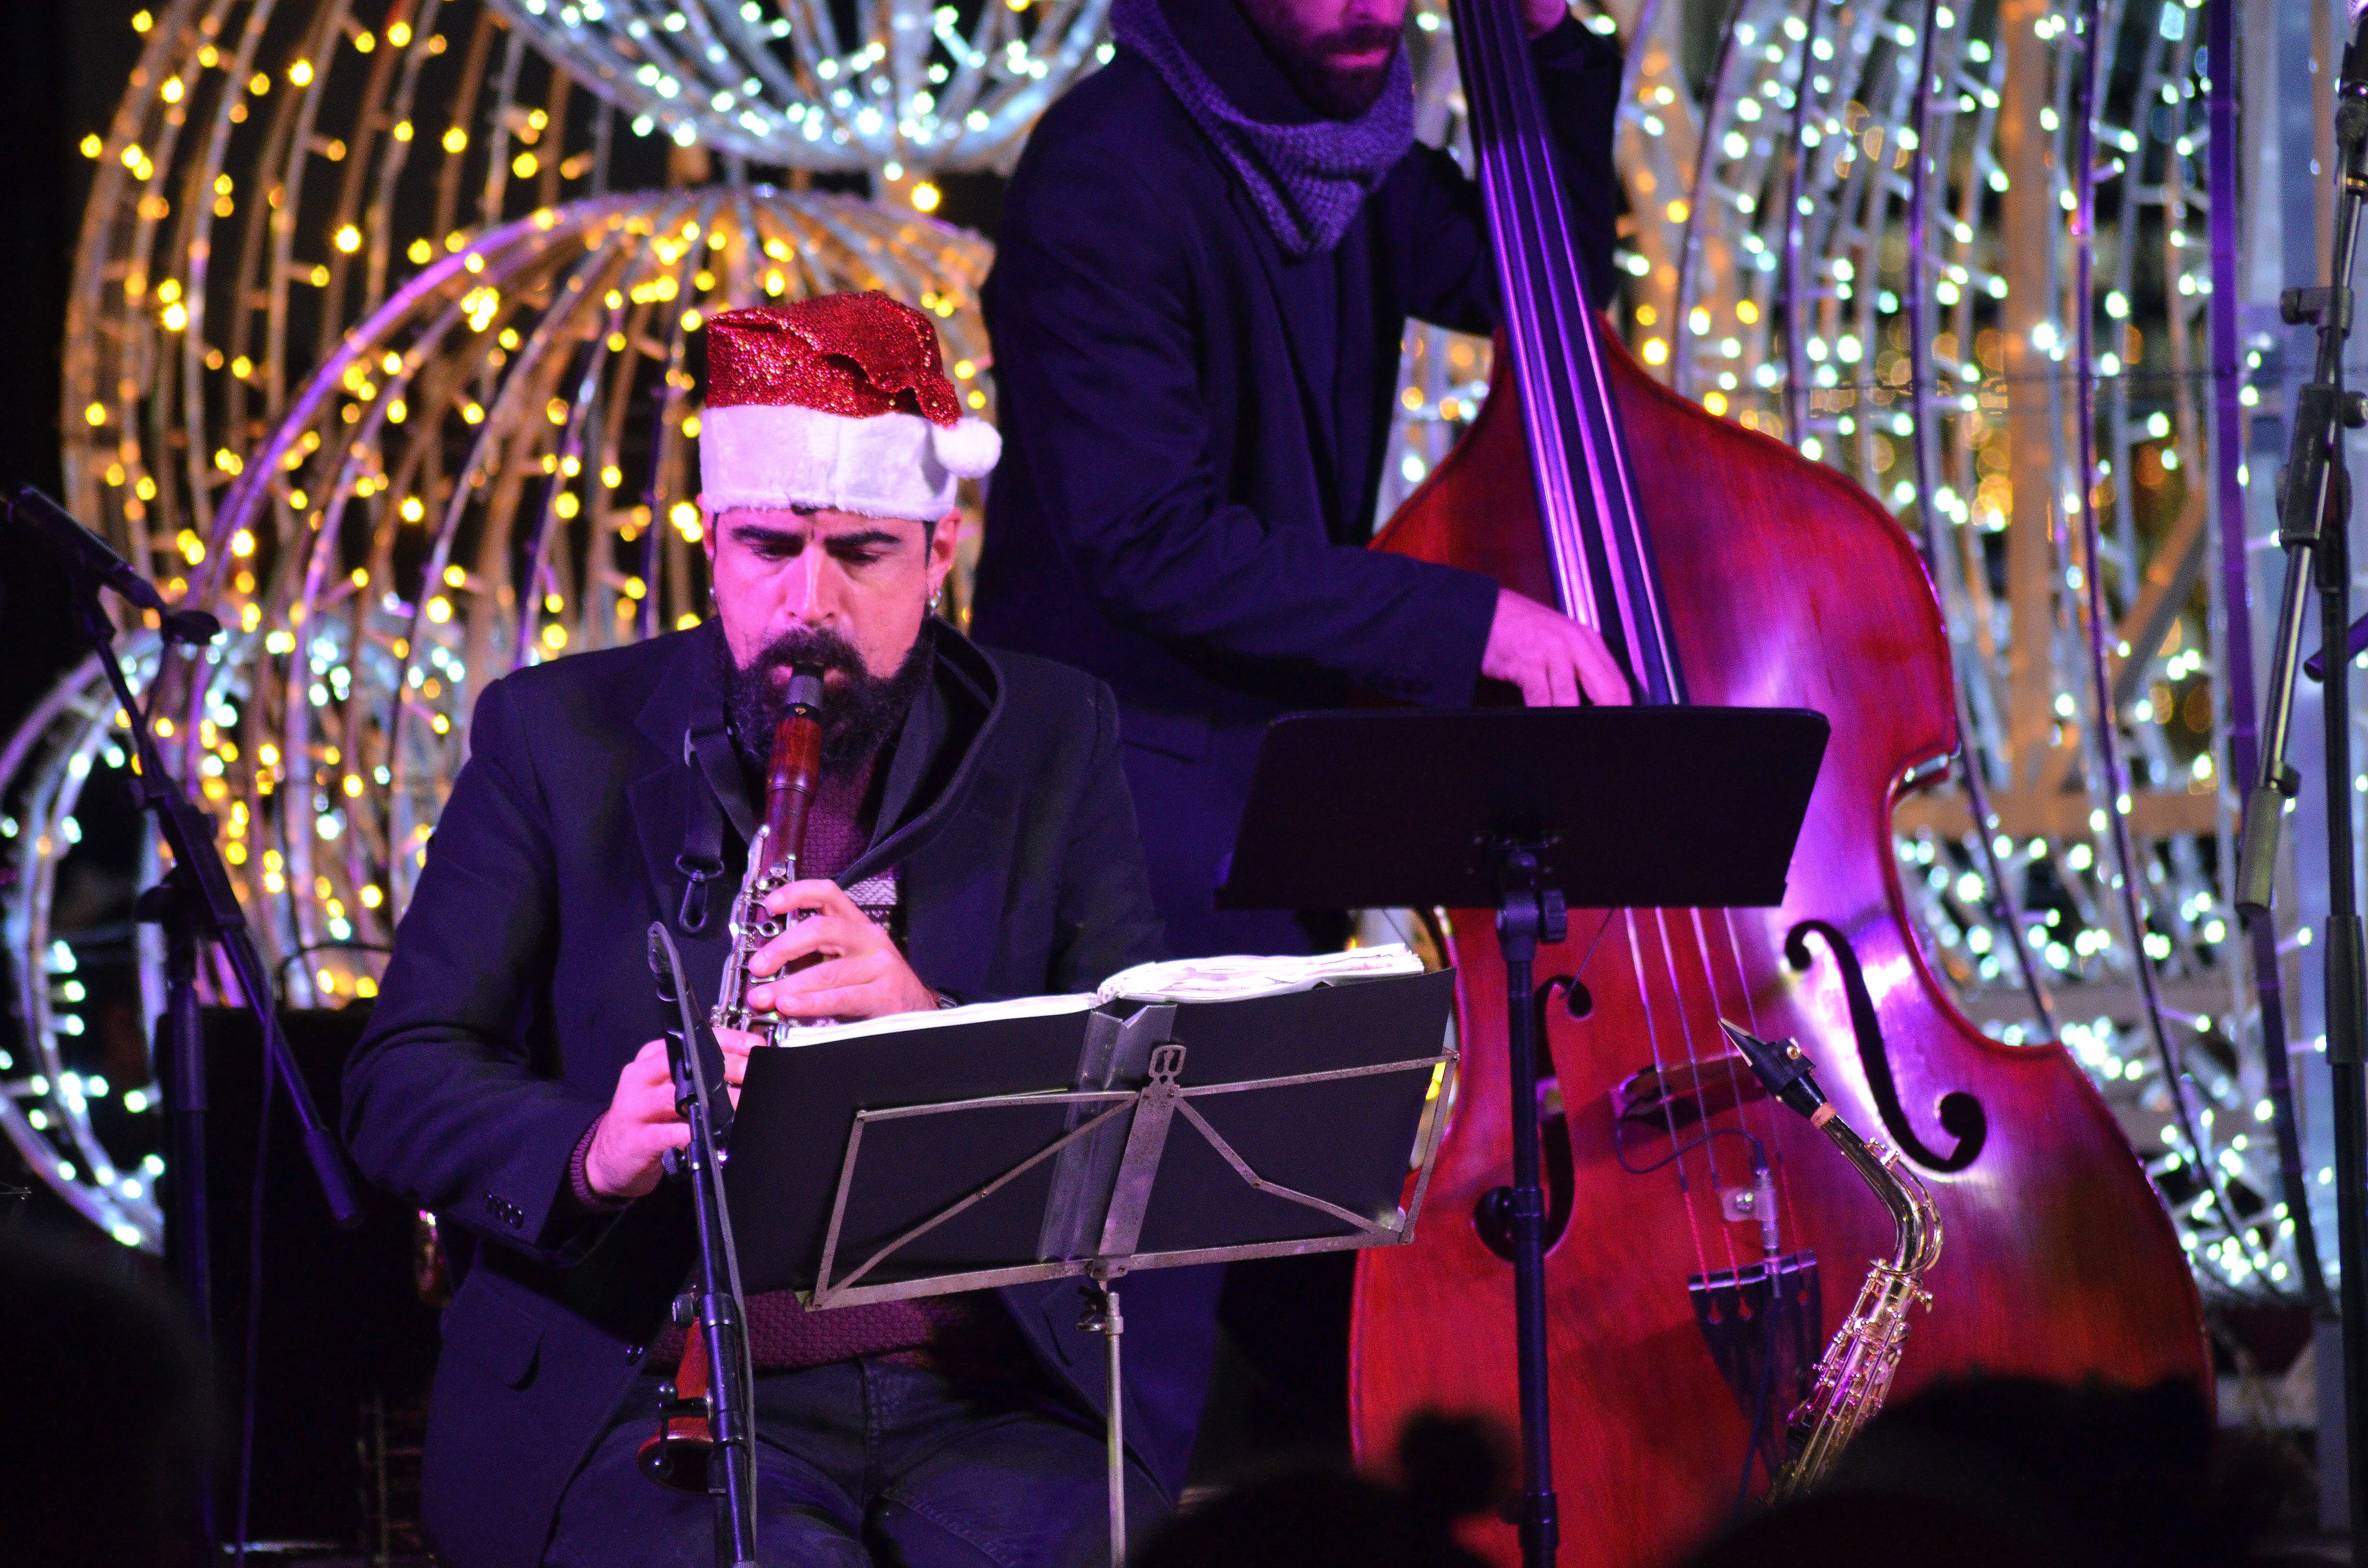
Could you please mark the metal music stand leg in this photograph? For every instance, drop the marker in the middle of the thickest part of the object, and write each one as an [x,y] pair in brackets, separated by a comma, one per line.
[180,1058]
[1528,915]
[1103,1318]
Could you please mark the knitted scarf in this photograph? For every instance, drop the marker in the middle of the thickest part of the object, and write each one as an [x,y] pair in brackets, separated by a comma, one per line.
[1307,180]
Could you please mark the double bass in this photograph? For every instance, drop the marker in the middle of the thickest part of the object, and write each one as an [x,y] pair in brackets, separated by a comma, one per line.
[1688,1215]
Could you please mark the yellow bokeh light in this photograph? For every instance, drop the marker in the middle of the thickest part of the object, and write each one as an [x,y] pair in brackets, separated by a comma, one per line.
[349,239]
[925,197]
[301,72]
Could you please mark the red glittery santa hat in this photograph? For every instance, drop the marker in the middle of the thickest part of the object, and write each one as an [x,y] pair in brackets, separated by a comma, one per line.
[840,401]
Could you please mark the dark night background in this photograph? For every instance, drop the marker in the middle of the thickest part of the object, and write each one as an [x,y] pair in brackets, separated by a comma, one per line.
[65,66]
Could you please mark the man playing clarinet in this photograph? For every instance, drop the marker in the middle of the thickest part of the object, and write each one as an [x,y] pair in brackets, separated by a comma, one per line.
[971,838]
[1206,262]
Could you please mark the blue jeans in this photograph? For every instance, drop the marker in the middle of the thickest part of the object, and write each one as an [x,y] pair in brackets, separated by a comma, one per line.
[869,1462]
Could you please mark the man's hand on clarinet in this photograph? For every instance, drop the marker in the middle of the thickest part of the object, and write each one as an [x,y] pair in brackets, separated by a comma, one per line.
[1553,659]
[861,974]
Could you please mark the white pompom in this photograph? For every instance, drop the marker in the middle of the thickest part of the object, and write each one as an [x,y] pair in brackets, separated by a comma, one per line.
[969,448]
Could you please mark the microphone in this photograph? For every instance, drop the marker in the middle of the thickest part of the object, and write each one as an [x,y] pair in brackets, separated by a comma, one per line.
[79,550]
[82,553]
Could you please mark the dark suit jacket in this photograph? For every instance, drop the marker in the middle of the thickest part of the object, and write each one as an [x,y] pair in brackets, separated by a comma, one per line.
[1171,512]
[519,988]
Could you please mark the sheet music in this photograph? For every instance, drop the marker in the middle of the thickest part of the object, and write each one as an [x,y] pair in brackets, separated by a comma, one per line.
[1238,976]
[1233,978]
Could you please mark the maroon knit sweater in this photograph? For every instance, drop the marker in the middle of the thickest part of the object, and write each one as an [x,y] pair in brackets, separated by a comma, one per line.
[782,1336]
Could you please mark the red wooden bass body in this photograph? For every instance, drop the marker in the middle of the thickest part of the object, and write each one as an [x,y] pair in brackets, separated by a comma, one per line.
[1783,584]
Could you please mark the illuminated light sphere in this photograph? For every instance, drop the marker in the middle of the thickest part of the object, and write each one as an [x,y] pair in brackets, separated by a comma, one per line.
[337,260]
[538,497]
[909,82]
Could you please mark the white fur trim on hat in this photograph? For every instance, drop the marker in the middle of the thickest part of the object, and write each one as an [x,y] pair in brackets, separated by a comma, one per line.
[969,448]
[890,465]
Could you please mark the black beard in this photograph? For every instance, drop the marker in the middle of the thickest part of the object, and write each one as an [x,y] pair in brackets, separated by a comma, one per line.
[1339,92]
[859,712]
[1313,64]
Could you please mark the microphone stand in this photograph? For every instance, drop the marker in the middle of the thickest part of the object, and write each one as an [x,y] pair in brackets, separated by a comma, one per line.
[197,907]
[702,1100]
[2314,523]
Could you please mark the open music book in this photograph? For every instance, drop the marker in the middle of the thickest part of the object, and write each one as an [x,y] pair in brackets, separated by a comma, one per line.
[1229,979]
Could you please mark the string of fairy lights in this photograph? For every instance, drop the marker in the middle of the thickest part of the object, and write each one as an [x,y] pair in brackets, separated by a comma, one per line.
[910,83]
[381,347]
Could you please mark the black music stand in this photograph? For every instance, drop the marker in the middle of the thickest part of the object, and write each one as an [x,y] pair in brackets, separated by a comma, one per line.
[1089,1144]
[1530,812]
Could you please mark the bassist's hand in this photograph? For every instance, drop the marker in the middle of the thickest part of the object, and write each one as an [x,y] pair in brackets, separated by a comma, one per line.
[1540,17]
[1551,657]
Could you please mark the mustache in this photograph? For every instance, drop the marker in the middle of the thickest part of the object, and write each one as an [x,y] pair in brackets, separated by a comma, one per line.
[819,648]
[1357,38]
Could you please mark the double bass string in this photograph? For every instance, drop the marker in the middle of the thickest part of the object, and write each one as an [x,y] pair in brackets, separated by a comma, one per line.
[1751,1015]
[1763,1137]
[1668,1105]
[1694,1074]
[1519,179]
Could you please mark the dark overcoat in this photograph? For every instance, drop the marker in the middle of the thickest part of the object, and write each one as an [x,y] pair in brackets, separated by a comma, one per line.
[1193,447]
[519,988]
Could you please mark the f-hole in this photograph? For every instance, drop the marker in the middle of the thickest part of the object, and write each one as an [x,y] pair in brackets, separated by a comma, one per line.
[1492,1216]
[1960,1114]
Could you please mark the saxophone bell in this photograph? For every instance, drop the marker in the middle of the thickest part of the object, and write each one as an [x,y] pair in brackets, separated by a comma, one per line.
[1855,1375]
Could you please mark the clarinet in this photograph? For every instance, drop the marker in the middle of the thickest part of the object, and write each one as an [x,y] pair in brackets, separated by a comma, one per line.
[677,1455]
[791,780]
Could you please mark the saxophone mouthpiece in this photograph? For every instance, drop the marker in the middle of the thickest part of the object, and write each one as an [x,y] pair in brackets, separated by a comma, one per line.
[805,687]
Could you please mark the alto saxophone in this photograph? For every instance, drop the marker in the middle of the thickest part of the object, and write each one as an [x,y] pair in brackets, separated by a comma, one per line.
[1856,1372]
[791,777]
